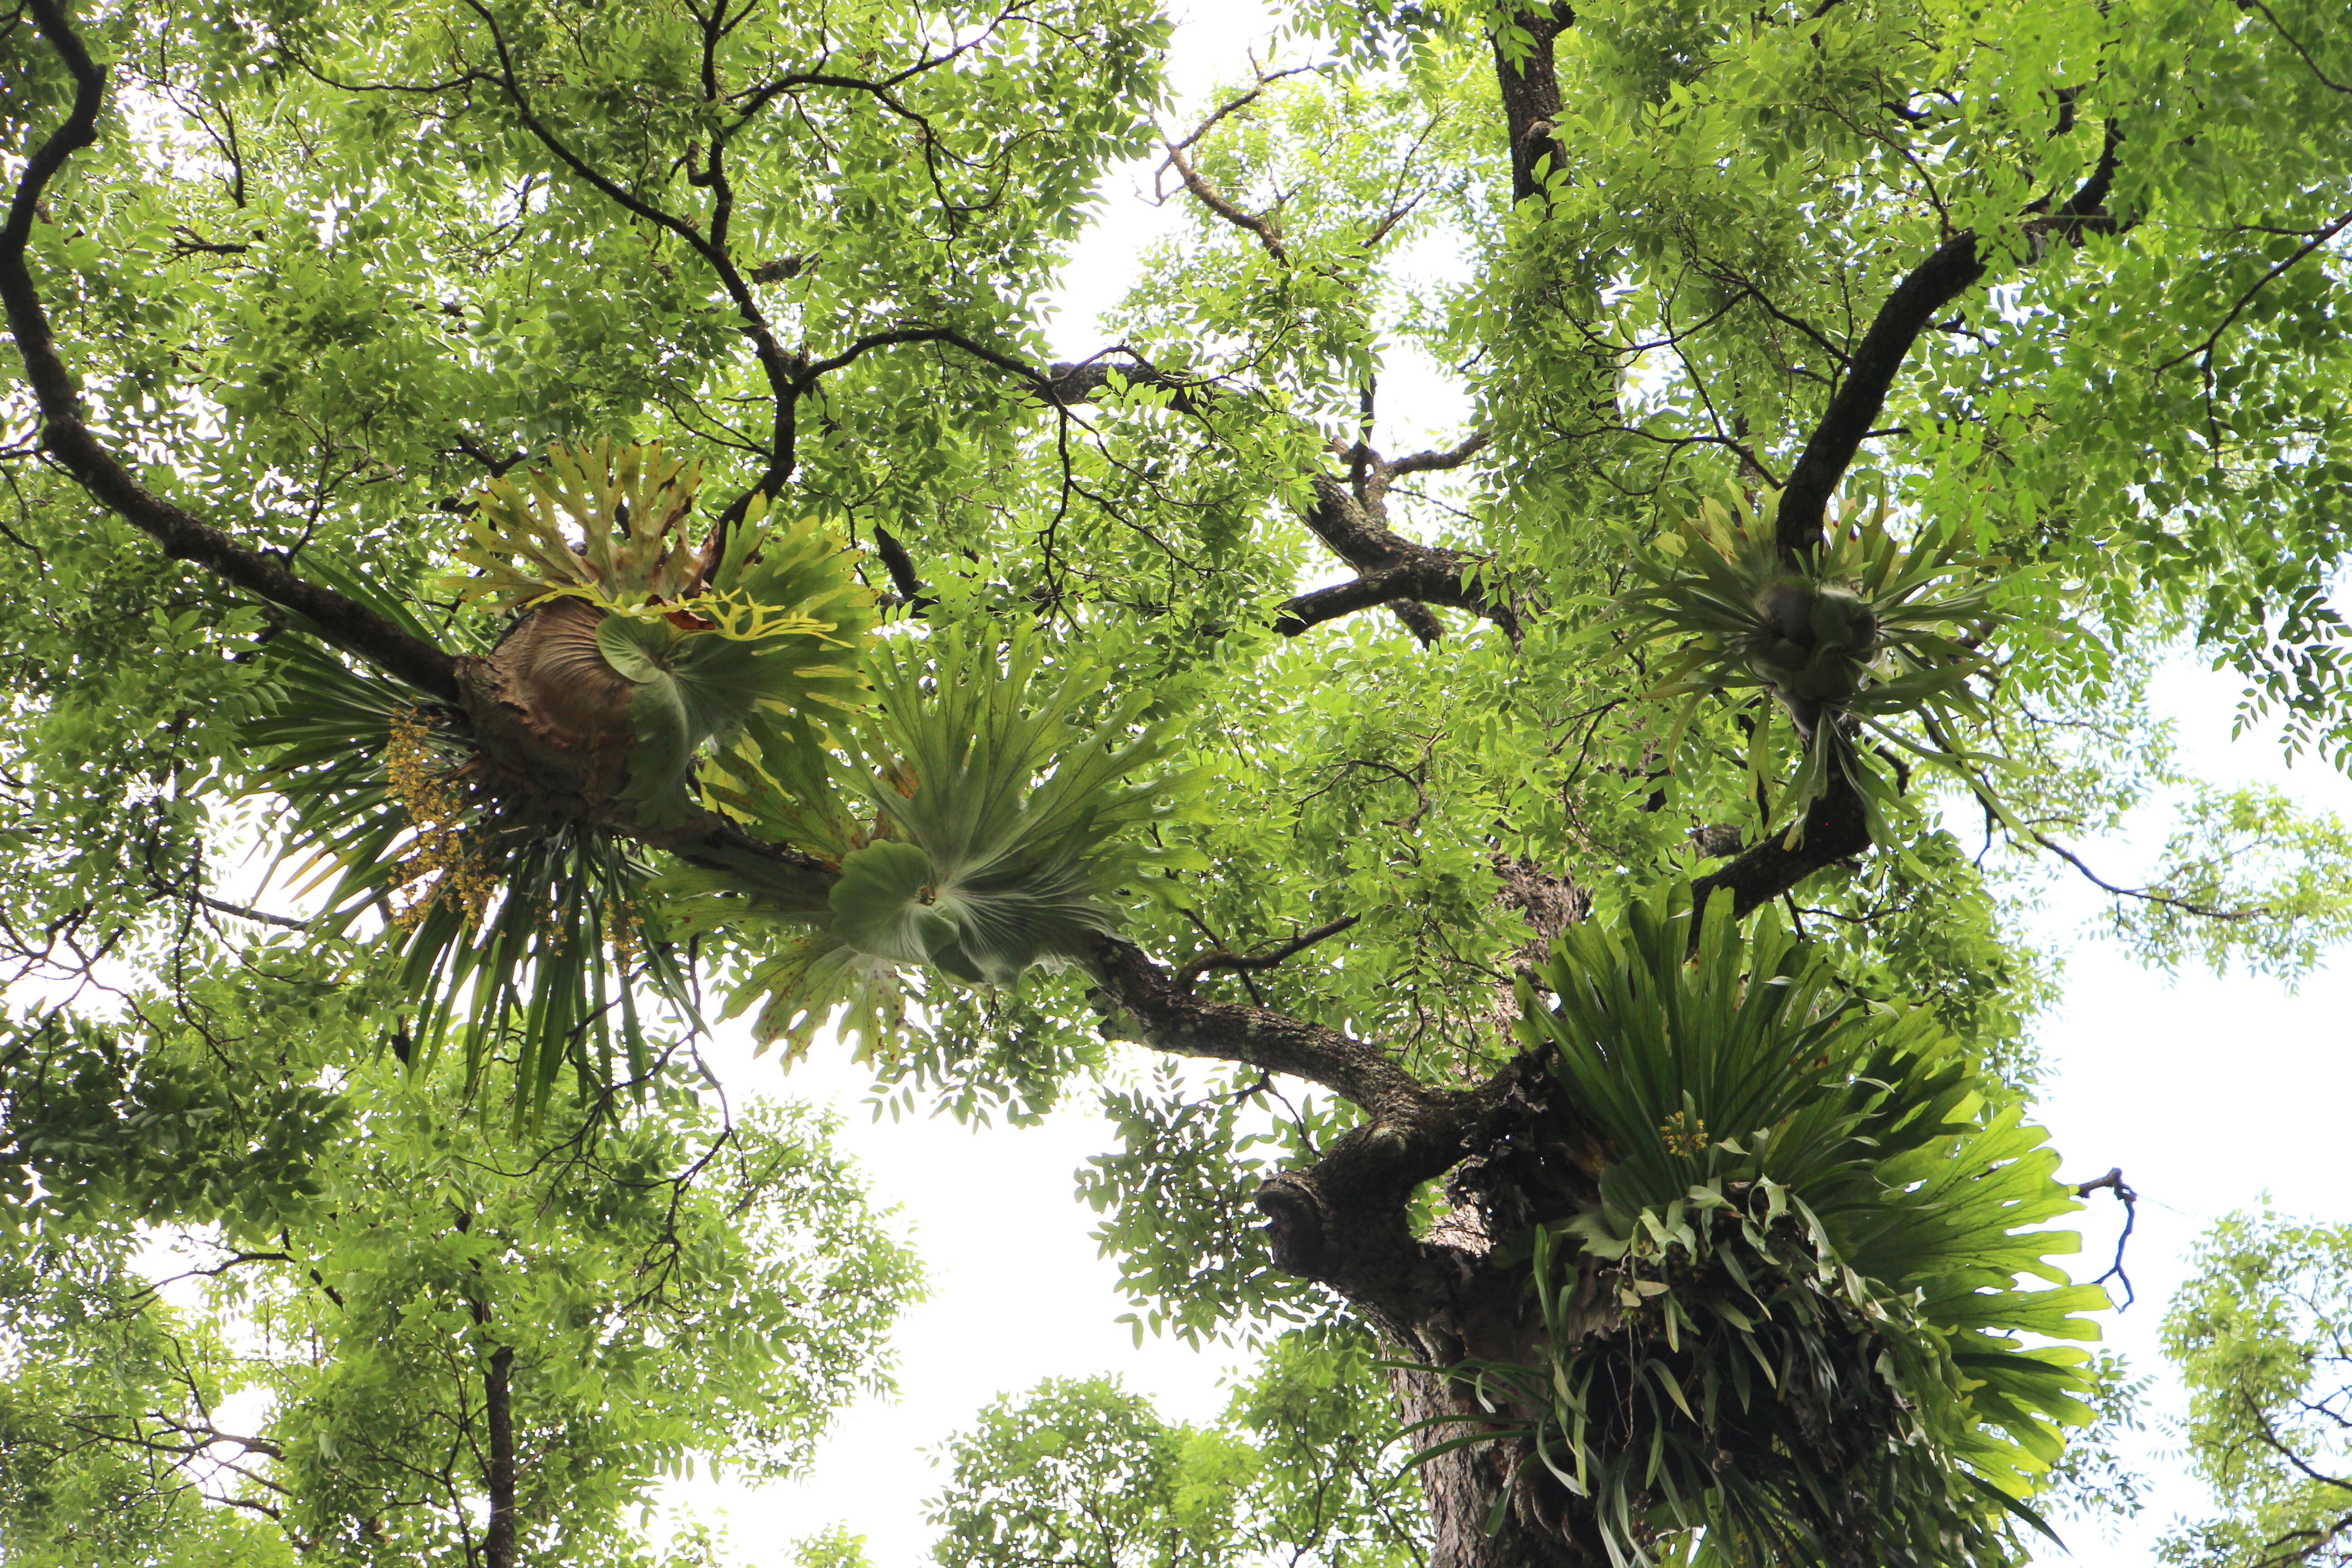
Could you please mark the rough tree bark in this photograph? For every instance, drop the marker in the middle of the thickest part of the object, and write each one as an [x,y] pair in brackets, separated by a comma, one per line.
[498,1415]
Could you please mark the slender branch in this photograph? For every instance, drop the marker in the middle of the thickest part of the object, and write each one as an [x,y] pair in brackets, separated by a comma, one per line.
[1190,973]
[241,912]
[2297,45]
[1217,202]
[1433,462]
[778,366]
[1235,105]
[67,438]
[2149,895]
[2319,238]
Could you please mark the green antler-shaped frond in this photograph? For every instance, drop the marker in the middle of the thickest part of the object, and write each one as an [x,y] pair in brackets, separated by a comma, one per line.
[980,831]
[1814,1245]
[632,639]
[1860,634]
[1006,824]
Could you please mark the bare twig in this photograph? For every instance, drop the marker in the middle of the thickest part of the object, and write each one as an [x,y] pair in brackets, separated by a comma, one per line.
[2114,1182]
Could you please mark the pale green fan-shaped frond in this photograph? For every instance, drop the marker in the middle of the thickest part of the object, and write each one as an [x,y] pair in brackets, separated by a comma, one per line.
[606,522]
[1818,1238]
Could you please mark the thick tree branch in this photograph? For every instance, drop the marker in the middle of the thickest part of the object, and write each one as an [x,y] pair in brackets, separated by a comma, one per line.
[1435,462]
[1871,368]
[1068,385]
[1146,1003]
[1433,577]
[498,1536]
[1391,569]
[1934,283]
[1835,830]
[901,567]
[68,438]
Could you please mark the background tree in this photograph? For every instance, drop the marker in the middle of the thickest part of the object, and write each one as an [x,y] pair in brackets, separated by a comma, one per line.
[382,1340]
[2262,1336]
[1301,1469]
[293,291]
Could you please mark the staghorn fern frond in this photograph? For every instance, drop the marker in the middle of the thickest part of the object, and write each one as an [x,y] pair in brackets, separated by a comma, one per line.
[658,673]
[605,523]
[1863,634]
[746,642]
[518,936]
[752,670]
[978,832]
[1006,832]
[1787,1335]
[976,829]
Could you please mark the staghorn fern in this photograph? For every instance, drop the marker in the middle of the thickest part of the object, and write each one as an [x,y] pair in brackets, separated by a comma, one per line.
[978,834]
[518,929]
[516,935]
[750,639]
[1786,1334]
[977,831]
[1862,633]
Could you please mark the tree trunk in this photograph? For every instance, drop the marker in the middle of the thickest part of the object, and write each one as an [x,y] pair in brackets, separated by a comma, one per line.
[498,1412]
[1530,87]
[1465,1487]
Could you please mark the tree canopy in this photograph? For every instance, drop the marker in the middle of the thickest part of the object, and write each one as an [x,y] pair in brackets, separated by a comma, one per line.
[579,496]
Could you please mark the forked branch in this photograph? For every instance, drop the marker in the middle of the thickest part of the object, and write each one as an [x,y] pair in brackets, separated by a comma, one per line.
[1953,269]
[68,439]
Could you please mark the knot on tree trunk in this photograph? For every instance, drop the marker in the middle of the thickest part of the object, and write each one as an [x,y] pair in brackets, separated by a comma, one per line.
[1293,1224]
[1536,1159]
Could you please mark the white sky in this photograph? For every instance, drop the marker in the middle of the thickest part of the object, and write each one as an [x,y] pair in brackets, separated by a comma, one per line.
[2207,1092]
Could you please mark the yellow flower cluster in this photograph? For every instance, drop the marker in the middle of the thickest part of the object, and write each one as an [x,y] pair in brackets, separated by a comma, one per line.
[1684,1133]
[442,859]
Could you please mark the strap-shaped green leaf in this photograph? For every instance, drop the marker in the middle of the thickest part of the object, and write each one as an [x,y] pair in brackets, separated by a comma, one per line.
[1811,1187]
